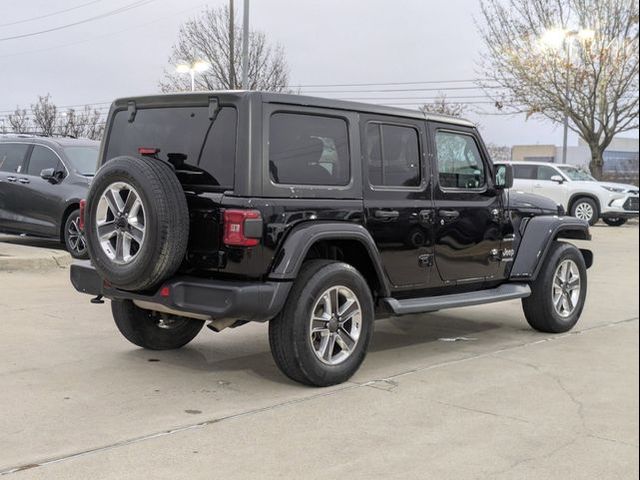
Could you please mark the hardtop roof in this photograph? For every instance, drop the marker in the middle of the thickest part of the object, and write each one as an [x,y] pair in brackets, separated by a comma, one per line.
[201,97]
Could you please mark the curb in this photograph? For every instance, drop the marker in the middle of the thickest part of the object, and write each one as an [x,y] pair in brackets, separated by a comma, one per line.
[50,259]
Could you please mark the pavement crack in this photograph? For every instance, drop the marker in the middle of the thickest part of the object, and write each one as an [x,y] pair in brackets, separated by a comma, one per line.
[390,382]
[483,412]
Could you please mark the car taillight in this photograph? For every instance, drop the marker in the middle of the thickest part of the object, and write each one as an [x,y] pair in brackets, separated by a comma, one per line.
[83,204]
[148,150]
[240,223]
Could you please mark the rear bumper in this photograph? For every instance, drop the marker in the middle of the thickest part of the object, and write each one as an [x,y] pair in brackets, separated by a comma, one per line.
[214,299]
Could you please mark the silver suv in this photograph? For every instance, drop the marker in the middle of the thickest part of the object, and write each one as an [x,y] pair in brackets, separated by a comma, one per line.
[578,192]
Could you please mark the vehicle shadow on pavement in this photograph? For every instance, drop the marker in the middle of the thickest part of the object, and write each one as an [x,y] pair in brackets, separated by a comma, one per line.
[32,241]
[390,334]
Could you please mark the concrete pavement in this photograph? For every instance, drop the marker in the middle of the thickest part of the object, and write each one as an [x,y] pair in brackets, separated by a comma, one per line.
[78,401]
[18,253]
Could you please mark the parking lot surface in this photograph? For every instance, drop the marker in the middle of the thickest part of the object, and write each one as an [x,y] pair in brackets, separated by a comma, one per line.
[503,401]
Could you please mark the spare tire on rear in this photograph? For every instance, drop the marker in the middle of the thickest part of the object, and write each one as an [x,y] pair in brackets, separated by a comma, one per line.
[136,222]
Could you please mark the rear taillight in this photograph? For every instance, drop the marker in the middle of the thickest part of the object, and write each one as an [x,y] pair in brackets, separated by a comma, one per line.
[148,150]
[83,204]
[242,228]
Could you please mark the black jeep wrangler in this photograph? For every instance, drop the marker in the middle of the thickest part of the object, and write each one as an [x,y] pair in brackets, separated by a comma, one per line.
[316,215]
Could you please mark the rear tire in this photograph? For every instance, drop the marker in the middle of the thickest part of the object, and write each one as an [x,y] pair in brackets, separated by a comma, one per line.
[615,221]
[586,209]
[321,336]
[547,308]
[150,330]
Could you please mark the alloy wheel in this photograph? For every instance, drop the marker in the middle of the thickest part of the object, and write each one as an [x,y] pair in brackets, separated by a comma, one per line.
[120,222]
[335,325]
[565,293]
[75,238]
[584,211]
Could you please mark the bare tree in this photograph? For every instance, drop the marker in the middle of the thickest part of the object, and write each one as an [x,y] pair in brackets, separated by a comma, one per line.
[19,121]
[499,153]
[86,124]
[592,78]
[208,38]
[441,106]
[44,115]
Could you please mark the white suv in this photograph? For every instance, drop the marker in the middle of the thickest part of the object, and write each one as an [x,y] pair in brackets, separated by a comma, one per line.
[578,192]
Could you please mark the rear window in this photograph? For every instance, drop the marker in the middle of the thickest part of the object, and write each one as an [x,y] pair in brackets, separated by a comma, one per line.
[525,172]
[203,152]
[308,149]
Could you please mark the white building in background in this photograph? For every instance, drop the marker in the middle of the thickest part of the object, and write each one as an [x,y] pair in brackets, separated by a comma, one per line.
[620,157]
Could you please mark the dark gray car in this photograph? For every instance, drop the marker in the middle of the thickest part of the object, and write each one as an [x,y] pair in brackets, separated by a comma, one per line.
[42,180]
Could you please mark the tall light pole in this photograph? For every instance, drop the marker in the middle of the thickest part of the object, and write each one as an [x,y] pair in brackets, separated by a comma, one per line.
[191,68]
[559,38]
[245,46]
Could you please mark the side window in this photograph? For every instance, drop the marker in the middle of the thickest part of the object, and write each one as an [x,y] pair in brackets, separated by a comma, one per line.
[308,149]
[40,159]
[11,157]
[525,172]
[459,162]
[393,154]
[545,173]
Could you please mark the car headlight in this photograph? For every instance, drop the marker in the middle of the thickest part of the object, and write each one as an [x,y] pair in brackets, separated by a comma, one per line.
[613,189]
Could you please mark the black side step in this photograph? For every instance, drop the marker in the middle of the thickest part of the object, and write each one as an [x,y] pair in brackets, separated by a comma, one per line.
[508,291]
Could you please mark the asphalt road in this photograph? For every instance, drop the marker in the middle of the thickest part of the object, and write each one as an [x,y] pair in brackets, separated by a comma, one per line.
[78,401]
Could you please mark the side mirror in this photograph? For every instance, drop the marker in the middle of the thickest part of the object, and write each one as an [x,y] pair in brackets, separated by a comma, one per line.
[51,175]
[47,173]
[557,178]
[504,176]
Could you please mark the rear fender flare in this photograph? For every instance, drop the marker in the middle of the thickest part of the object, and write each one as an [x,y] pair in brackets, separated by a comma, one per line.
[297,243]
[539,233]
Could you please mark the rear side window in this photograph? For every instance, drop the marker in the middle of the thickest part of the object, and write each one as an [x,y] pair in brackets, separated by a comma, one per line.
[11,157]
[525,172]
[308,149]
[393,154]
[42,158]
[203,152]
[459,162]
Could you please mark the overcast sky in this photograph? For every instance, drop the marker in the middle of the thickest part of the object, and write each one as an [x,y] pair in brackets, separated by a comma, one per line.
[325,41]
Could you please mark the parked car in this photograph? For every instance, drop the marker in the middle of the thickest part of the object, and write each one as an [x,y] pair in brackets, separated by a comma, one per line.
[316,215]
[42,180]
[578,192]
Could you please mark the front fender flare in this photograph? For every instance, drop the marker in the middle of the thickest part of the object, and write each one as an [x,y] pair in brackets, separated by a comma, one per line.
[298,242]
[539,233]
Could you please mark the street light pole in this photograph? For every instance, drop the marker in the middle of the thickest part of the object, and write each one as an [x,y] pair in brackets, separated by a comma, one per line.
[245,46]
[191,69]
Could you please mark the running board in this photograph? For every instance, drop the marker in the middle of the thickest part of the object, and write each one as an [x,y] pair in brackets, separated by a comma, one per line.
[508,291]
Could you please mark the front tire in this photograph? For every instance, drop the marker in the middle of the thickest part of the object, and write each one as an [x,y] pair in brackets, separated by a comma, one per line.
[558,293]
[321,336]
[74,240]
[586,209]
[150,330]
[615,221]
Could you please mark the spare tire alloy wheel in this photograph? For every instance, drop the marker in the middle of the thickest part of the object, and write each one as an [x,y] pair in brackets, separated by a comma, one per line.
[120,222]
[336,323]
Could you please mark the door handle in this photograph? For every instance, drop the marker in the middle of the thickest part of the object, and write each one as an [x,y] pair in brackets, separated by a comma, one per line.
[11,179]
[537,185]
[24,180]
[388,214]
[449,213]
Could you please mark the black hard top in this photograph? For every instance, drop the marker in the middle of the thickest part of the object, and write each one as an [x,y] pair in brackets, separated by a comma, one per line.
[199,98]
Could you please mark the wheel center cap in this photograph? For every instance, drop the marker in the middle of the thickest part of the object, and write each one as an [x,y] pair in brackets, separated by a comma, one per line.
[121,223]
[333,325]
